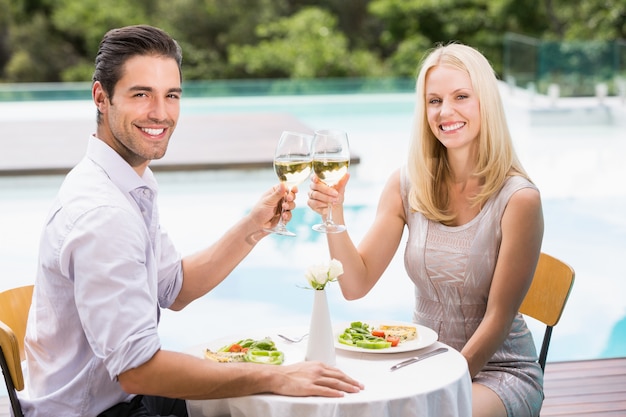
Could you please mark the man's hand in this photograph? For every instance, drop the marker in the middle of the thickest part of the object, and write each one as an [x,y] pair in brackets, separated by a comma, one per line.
[312,379]
[266,212]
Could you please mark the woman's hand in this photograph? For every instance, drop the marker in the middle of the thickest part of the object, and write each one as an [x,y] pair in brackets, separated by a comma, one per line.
[321,194]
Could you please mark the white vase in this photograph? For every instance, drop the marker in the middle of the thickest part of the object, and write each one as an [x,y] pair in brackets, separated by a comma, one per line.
[321,343]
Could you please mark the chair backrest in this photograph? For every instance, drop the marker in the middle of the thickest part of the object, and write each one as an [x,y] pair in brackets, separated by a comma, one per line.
[14,307]
[547,295]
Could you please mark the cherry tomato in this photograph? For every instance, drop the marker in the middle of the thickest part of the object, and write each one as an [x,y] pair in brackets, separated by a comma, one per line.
[394,340]
[378,333]
[235,348]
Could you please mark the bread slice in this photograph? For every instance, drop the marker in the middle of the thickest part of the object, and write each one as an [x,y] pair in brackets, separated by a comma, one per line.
[405,333]
[224,357]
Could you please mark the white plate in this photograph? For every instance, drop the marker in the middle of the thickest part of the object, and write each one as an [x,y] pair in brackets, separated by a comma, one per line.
[425,338]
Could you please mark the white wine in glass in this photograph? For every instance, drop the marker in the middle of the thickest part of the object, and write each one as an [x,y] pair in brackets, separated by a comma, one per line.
[331,159]
[292,164]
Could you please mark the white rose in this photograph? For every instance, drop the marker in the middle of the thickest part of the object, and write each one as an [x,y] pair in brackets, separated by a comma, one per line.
[335,268]
[317,275]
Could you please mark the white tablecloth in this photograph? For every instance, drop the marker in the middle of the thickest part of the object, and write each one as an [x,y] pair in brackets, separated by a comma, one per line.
[438,386]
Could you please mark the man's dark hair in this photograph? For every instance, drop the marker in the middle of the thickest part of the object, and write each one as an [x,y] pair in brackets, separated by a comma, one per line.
[118,45]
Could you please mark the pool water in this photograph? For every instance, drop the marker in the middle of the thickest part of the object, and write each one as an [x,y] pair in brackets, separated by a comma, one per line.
[577,168]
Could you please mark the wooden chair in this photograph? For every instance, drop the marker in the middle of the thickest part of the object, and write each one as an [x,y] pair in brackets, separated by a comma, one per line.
[546,298]
[14,306]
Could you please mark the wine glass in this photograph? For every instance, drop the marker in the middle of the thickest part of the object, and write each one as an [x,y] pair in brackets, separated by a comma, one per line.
[331,158]
[292,164]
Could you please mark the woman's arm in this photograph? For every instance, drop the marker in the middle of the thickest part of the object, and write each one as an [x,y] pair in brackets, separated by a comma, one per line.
[363,266]
[522,233]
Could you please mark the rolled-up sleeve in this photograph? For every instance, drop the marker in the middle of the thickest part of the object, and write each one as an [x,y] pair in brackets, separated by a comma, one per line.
[170,271]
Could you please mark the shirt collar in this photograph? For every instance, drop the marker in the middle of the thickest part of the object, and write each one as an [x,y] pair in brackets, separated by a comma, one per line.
[118,170]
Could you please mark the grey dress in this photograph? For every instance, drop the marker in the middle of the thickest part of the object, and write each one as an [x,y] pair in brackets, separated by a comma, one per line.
[452,269]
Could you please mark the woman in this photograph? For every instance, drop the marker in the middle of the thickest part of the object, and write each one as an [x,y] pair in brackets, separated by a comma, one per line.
[475,228]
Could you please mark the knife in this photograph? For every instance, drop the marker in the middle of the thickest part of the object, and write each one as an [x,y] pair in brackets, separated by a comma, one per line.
[418,358]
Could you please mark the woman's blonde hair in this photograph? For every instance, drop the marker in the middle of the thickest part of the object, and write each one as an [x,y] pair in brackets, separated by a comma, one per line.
[428,168]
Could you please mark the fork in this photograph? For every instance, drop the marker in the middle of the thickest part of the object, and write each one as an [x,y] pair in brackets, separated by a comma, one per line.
[293,339]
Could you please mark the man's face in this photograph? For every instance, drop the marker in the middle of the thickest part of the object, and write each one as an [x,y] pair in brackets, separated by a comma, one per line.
[140,118]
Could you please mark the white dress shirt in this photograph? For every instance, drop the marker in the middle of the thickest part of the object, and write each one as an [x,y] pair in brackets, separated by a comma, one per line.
[105,269]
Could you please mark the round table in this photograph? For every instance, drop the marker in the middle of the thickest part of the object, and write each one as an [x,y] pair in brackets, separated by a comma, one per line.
[437,386]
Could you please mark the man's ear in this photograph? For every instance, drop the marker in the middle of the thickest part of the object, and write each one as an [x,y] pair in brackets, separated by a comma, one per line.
[99,96]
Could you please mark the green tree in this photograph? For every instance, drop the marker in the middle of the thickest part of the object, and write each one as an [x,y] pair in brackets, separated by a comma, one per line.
[5,21]
[37,52]
[84,22]
[206,29]
[586,20]
[413,26]
[305,45]
[353,19]
[55,40]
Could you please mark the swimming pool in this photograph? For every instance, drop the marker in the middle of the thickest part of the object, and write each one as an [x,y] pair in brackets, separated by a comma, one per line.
[578,169]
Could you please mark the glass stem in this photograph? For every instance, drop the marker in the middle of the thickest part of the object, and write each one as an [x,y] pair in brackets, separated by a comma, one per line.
[281,223]
[329,216]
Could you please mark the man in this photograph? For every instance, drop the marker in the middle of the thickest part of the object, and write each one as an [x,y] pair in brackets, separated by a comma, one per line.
[106,268]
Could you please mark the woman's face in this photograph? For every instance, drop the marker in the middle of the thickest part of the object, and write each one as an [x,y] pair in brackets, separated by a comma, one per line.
[452,107]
